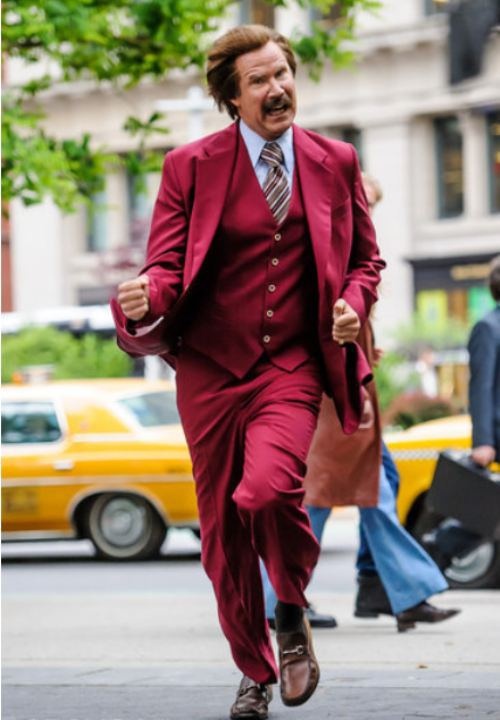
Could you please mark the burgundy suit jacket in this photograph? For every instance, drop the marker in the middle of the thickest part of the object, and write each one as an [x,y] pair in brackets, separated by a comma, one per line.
[190,201]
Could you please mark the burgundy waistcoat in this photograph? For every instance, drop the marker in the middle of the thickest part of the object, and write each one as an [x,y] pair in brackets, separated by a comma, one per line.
[258,289]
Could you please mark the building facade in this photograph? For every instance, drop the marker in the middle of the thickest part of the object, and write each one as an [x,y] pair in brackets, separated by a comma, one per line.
[433,146]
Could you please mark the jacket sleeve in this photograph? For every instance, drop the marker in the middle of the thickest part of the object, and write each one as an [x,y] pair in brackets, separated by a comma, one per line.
[482,363]
[365,263]
[164,266]
[167,243]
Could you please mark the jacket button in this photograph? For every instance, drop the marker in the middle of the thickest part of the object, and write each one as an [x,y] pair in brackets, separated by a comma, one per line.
[277,237]
[274,261]
[266,338]
[271,287]
[269,313]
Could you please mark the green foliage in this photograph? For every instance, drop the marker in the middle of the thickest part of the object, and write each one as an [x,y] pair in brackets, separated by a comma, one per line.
[393,377]
[35,165]
[419,334]
[85,357]
[402,404]
[122,42]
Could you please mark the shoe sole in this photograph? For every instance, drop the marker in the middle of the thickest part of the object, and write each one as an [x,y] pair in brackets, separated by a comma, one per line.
[404,625]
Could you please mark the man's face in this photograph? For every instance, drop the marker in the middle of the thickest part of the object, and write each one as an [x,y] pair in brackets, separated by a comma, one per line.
[267,101]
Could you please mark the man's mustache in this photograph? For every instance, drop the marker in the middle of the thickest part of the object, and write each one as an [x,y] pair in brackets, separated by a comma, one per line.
[284,101]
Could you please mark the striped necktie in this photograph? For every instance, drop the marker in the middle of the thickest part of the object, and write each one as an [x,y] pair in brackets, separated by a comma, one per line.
[276,188]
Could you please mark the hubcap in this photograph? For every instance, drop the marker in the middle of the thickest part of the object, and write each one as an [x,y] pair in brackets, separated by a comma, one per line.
[473,565]
[123,522]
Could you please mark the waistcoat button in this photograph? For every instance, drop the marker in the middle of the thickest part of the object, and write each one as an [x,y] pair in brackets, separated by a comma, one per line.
[271,287]
[270,313]
[266,338]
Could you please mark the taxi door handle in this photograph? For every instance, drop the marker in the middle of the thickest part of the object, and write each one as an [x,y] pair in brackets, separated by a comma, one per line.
[63,465]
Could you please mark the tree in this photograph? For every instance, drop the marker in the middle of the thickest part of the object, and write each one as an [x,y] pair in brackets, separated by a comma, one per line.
[122,42]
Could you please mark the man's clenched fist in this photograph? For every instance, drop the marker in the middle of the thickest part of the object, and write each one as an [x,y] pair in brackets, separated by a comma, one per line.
[133,297]
[346,324]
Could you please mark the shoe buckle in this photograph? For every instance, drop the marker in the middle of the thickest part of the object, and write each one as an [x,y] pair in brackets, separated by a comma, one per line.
[298,650]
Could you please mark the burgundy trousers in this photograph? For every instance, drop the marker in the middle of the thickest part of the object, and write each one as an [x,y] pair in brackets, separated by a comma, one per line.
[248,441]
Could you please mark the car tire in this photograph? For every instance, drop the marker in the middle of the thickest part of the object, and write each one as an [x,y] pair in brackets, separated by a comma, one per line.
[124,526]
[479,569]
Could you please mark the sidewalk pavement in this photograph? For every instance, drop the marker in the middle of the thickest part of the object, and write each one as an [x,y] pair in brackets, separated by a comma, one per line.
[162,656]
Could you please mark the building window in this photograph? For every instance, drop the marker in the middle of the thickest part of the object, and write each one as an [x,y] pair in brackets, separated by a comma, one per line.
[433,7]
[450,179]
[138,209]
[493,124]
[257,11]
[353,135]
[97,223]
[453,288]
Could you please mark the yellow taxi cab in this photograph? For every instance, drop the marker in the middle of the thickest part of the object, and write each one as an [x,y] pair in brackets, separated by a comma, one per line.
[100,459]
[415,452]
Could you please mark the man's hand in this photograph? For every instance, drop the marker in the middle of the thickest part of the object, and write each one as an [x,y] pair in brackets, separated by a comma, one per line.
[483,455]
[346,324]
[133,297]
[368,416]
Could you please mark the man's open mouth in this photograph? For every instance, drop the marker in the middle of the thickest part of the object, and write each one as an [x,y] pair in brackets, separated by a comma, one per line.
[277,108]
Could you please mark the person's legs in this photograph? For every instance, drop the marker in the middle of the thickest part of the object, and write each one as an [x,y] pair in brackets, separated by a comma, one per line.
[269,497]
[391,471]
[407,572]
[318,517]
[365,565]
[248,443]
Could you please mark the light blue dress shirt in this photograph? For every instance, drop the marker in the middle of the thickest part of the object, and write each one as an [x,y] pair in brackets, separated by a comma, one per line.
[254,144]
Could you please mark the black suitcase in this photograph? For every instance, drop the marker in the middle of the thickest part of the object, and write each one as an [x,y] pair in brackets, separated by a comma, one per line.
[462,490]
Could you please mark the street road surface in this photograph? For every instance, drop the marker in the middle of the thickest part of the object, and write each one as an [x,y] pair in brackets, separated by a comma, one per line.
[90,640]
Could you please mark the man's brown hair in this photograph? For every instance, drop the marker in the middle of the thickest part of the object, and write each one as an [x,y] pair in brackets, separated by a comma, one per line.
[222,77]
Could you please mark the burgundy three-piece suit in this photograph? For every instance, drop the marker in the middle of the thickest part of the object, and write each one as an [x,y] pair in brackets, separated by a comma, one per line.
[247,321]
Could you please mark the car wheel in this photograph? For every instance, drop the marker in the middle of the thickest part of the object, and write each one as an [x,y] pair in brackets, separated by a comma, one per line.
[478,569]
[124,527]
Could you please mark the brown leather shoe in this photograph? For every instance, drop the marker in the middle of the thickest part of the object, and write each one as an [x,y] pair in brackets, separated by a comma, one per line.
[299,669]
[251,701]
[424,612]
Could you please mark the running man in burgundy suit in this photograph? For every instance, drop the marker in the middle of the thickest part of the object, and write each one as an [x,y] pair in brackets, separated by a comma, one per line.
[261,267]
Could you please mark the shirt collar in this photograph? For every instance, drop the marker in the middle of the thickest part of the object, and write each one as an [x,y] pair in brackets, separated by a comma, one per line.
[254,143]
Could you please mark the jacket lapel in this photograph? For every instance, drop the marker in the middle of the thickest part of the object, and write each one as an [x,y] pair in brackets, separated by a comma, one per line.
[212,176]
[317,186]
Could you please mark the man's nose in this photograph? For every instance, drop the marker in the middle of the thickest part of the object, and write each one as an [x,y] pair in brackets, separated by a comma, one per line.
[276,89]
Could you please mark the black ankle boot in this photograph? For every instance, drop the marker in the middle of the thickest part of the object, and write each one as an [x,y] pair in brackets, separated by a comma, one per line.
[371,598]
